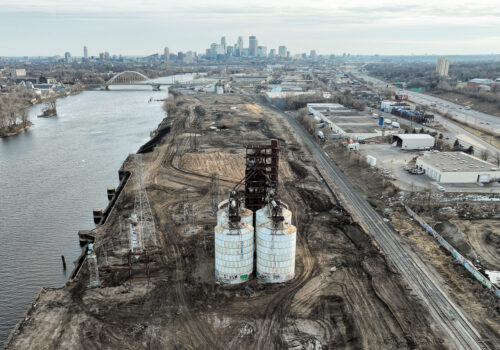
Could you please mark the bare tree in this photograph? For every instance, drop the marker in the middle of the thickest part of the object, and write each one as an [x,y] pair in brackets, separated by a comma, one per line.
[485,154]
[497,158]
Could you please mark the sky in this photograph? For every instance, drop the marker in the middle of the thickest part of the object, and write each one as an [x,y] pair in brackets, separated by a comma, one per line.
[143,27]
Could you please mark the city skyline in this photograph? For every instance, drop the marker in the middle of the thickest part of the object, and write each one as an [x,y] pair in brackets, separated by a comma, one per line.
[361,27]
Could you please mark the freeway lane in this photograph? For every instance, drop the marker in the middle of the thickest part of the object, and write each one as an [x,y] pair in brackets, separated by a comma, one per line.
[470,116]
[416,273]
[456,131]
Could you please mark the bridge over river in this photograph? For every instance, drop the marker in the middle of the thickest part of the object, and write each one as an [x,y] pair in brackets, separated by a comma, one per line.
[133,78]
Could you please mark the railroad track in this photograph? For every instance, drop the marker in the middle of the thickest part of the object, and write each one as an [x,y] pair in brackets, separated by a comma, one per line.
[443,310]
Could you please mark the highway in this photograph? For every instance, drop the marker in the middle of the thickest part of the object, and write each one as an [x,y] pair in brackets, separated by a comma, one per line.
[471,116]
[455,130]
[418,276]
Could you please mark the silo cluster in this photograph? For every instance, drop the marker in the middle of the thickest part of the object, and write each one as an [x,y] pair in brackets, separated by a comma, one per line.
[255,225]
[234,246]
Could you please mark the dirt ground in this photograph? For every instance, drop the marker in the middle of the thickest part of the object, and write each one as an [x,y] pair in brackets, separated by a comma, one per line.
[344,294]
[484,237]
[478,303]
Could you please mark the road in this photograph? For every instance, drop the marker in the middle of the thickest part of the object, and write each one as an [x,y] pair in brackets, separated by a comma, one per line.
[455,130]
[471,116]
[411,267]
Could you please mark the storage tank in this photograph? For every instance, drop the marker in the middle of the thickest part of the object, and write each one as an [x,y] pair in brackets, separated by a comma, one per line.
[223,214]
[276,251]
[264,214]
[234,252]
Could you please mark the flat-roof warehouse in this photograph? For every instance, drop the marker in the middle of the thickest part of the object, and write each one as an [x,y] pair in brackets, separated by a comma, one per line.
[348,123]
[457,167]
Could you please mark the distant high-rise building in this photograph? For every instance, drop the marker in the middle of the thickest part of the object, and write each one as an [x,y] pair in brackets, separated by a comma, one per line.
[189,57]
[240,46]
[101,56]
[229,51]
[272,53]
[85,53]
[261,51]
[166,55]
[106,56]
[213,50]
[252,46]
[313,55]
[282,51]
[67,57]
[223,42]
[442,67]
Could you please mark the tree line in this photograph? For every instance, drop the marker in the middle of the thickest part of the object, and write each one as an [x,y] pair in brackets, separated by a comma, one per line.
[14,109]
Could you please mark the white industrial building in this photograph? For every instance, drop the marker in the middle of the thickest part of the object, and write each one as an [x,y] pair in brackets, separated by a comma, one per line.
[457,167]
[414,141]
[387,106]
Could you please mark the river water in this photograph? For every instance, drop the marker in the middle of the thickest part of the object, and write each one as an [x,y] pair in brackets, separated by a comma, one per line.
[53,175]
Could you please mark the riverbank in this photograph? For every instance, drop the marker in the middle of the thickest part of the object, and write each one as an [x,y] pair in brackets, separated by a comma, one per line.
[15,129]
[70,161]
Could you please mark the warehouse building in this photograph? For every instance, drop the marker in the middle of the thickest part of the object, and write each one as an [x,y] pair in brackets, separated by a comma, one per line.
[413,141]
[344,122]
[457,167]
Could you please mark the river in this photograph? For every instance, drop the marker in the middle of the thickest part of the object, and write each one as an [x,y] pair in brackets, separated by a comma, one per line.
[53,175]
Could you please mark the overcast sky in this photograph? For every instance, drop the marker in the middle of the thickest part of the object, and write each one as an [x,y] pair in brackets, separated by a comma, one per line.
[141,27]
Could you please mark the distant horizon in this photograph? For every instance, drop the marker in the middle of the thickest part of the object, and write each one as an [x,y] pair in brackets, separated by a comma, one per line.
[359,27]
[291,55]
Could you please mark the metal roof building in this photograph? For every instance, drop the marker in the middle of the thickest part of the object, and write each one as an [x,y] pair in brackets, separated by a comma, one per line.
[457,167]
[414,141]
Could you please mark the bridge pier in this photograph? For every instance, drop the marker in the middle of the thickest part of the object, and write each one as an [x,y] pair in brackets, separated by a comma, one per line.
[106,87]
[156,87]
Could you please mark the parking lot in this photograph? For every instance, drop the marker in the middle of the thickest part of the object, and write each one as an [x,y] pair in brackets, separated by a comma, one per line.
[394,159]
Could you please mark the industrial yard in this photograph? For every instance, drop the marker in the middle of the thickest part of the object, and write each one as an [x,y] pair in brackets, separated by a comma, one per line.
[344,292]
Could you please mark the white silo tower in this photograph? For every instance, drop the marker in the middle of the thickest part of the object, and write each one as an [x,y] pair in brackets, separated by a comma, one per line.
[234,242]
[276,242]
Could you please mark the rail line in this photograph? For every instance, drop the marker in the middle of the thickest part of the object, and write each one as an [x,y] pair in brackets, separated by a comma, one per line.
[443,310]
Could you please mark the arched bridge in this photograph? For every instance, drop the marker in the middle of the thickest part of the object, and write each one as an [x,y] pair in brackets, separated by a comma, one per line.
[132,78]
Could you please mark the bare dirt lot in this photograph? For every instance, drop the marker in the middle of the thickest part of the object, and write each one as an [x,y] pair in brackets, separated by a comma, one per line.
[344,295]
[484,237]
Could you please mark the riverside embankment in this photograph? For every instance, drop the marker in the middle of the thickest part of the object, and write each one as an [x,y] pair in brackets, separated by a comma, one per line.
[52,175]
